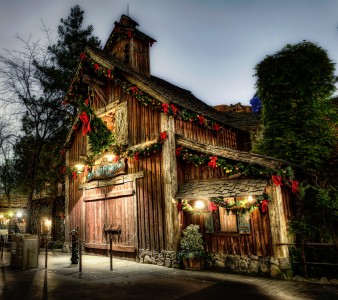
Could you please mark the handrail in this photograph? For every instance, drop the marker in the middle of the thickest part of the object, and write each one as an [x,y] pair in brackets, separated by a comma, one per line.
[304,262]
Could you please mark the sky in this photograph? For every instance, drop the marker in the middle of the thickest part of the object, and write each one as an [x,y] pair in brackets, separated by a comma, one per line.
[209,47]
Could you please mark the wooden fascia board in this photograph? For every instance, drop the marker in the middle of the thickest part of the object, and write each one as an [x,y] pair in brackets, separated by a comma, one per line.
[242,156]
[146,88]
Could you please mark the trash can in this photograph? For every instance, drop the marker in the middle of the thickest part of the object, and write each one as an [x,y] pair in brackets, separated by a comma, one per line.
[24,251]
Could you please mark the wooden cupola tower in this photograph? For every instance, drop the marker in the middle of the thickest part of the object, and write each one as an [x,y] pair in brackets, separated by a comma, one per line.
[130,45]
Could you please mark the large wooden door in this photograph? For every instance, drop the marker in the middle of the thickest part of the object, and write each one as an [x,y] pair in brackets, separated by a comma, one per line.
[115,208]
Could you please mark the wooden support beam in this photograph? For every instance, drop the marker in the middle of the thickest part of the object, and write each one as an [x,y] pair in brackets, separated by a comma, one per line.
[232,154]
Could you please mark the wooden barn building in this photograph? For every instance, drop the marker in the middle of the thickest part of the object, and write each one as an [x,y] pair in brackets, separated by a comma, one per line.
[146,158]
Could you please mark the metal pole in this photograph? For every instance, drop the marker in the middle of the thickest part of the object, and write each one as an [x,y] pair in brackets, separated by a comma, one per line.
[46,246]
[111,253]
[80,256]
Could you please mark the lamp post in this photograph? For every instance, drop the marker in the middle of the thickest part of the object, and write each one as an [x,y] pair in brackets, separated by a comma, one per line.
[48,224]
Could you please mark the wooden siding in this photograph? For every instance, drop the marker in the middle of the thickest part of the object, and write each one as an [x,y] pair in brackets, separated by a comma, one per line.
[226,139]
[144,126]
[257,243]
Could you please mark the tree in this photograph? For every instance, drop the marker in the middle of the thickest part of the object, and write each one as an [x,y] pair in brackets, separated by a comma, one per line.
[65,53]
[295,86]
[36,79]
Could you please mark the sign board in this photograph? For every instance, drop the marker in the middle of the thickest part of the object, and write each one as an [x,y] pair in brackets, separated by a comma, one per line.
[244,223]
[106,171]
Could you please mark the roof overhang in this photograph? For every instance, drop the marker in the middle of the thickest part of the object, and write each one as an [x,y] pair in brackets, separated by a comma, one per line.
[206,189]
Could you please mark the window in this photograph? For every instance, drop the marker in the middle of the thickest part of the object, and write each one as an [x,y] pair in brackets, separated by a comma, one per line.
[230,220]
[227,220]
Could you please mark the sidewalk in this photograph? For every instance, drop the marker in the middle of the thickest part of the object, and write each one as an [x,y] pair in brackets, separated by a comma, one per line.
[131,280]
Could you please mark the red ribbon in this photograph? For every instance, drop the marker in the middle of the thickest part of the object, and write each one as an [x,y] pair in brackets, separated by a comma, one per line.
[277,180]
[294,186]
[85,123]
[212,162]
[165,107]
[212,206]
[264,205]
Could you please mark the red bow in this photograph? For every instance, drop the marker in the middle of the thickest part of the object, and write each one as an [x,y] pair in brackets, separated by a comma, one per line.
[174,109]
[277,180]
[264,205]
[216,127]
[165,107]
[74,175]
[294,186]
[178,151]
[212,162]
[85,123]
[212,206]
[136,156]
[163,136]
[201,120]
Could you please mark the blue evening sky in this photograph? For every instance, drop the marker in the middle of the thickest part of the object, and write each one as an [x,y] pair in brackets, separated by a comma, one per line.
[209,47]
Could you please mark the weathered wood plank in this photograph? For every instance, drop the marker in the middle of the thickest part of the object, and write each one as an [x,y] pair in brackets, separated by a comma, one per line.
[242,156]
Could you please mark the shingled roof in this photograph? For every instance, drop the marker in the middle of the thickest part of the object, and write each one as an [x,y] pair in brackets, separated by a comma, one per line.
[158,87]
[206,189]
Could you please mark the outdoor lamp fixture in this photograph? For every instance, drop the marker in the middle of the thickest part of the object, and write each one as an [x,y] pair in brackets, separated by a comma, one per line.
[199,204]
[250,198]
[79,168]
[19,214]
[10,214]
[110,157]
[48,223]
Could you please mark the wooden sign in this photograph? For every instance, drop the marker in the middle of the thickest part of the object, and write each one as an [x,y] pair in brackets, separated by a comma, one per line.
[106,171]
[209,223]
[244,223]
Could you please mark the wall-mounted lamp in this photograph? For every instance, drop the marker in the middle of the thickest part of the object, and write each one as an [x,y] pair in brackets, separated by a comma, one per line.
[79,168]
[250,198]
[199,204]
[19,214]
[110,157]
[10,214]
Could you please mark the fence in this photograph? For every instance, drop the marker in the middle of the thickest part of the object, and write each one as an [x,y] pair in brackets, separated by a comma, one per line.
[304,263]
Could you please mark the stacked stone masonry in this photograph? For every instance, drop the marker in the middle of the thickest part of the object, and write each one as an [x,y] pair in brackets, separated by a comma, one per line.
[254,265]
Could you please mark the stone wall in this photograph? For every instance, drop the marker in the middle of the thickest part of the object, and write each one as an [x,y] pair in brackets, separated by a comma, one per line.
[160,258]
[262,266]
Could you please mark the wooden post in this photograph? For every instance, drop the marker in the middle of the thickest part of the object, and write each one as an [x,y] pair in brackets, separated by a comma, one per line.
[304,261]
[278,223]
[111,251]
[169,168]
[80,255]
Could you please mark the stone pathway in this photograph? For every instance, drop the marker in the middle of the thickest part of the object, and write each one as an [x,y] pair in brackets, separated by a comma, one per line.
[131,280]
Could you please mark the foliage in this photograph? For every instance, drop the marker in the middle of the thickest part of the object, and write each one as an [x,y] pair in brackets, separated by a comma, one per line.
[191,243]
[64,54]
[295,86]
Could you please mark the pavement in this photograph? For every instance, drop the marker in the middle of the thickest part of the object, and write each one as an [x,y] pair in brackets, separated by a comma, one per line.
[131,280]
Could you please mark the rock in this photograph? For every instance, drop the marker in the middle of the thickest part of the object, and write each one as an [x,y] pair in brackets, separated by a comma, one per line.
[298,278]
[231,263]
[334,281]
[274,261]
[323,280]
[275,271]
[284,264]
[168,263]
[243,266]
[265,265]
[253,267]
[253,257]
[219,264]
[148,260]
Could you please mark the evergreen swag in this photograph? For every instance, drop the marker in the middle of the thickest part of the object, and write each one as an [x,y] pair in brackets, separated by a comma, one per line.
[88,64]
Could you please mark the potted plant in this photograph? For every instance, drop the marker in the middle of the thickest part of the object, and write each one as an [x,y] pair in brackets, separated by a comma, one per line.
[192,251]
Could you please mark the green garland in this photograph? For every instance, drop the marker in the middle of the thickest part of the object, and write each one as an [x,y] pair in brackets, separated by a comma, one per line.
[172,110]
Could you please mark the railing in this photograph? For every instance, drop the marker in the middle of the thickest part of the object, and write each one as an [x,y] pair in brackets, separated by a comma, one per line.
[303,261]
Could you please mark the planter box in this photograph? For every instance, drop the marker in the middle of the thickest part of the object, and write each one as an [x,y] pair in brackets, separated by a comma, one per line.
[193,264]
